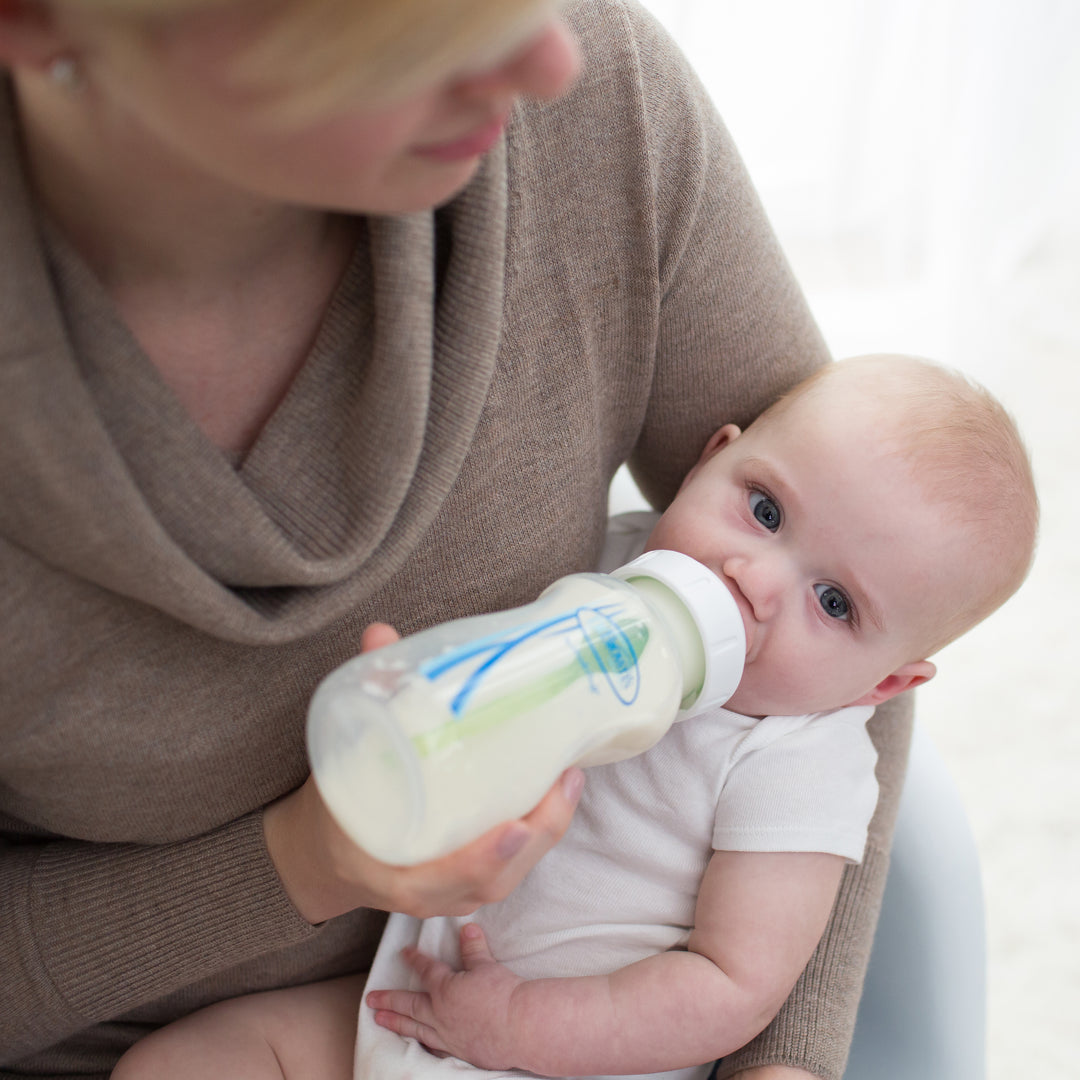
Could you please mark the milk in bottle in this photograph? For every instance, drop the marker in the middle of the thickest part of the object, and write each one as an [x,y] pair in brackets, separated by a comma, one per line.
[419,747]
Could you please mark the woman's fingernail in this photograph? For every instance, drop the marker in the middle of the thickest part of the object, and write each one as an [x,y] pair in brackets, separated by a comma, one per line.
[572,784]
[512,841]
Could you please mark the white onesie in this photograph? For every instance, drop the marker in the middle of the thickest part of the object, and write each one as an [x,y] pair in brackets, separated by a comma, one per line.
[623,882]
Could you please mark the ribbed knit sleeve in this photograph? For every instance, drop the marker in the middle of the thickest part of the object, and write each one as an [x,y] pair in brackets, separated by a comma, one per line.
[734,329]
[100,928]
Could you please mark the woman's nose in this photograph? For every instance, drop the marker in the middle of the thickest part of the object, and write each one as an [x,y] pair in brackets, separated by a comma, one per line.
[542,68]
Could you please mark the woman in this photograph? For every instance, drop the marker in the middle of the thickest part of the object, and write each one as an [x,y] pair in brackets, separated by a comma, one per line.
[319,314]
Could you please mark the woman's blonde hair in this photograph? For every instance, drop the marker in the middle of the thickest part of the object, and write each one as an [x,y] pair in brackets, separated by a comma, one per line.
[322,50]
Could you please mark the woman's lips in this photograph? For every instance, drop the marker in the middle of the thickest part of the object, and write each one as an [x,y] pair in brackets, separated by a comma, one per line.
[477,142]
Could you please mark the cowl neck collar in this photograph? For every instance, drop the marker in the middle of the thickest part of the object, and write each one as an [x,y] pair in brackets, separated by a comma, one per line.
[105,477]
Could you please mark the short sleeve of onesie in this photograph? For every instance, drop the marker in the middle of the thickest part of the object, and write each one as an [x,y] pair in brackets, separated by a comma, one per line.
[800,783]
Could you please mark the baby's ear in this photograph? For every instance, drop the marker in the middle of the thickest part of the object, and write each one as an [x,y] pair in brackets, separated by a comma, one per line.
[717,441]
[903,678]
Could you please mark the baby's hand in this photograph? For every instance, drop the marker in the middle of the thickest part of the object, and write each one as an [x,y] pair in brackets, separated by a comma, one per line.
[463,1013]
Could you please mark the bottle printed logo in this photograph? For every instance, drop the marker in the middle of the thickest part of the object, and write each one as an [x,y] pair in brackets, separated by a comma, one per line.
[597,645]
[613,652]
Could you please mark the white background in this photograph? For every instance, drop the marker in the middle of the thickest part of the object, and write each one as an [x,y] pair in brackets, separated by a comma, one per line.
[920,160]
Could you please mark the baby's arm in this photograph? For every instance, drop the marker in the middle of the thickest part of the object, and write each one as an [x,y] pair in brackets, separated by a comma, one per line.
[759,917]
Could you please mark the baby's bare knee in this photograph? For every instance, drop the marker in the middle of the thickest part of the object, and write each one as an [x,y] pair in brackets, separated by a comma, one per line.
[151,1058]
[302,1033]
[222,1040]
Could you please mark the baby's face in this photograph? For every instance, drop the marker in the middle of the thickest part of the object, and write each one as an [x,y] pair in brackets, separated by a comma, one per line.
[841,568]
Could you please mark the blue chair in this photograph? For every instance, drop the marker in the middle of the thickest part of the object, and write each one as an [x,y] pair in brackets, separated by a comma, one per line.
[923,1010]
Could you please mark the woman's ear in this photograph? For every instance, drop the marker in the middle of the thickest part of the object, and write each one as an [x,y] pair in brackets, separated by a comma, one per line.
[903,678]
[725,436]
[28,35]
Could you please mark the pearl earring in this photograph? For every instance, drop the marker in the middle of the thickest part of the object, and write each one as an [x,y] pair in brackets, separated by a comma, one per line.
[64,72]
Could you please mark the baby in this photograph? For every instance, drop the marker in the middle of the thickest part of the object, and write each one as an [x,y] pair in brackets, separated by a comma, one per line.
[871,516]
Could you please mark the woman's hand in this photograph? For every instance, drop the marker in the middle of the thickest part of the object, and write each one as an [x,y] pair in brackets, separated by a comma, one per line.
[325,874]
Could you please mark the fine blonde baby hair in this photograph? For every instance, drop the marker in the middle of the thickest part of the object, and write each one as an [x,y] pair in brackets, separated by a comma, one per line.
[323,51]
[965,452]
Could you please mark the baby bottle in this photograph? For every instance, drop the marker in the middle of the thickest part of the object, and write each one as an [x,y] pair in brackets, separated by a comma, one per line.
[421,746]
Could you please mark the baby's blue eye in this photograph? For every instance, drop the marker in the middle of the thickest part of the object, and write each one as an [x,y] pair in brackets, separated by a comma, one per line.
[765,510]
[833,602]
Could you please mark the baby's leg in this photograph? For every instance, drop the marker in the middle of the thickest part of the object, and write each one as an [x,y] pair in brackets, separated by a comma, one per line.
[301,1033]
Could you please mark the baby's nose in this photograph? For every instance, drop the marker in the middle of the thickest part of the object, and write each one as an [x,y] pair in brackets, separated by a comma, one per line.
[762,579]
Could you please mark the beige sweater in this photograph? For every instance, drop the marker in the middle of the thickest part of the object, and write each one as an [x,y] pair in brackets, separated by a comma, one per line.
[606,289]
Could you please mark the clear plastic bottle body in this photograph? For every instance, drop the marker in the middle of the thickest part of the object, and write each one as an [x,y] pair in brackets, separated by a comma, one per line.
[422,746]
